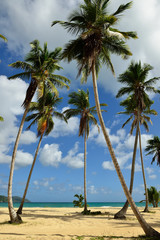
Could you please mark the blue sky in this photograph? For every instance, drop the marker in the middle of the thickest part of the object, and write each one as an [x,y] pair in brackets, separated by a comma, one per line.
[58,173]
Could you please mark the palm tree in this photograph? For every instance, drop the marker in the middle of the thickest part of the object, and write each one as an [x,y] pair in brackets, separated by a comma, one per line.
[4,38]
[154,196]
[95,41]
[38,66]
[134,79]
[80,100]
[43,113]
[131,110]
[153,148]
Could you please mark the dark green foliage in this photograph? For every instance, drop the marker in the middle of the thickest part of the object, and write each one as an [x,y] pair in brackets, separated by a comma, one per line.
[16,199]
[153,148]
[153,196]
[79,202]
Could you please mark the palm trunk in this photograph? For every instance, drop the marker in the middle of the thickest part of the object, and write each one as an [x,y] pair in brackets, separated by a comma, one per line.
[85,192]
[13,216]
[121,214]
[144,179]
[29,177]
[146,227]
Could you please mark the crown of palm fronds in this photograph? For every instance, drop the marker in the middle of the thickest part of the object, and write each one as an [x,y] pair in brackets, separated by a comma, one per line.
[97,36]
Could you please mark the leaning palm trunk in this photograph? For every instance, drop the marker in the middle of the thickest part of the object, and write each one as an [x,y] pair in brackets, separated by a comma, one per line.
[121,214]
[13,216]
[145,226]
[29,177]
[144,179]
[85,192]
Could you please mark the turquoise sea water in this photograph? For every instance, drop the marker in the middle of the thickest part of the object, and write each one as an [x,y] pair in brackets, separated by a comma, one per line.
[69,204]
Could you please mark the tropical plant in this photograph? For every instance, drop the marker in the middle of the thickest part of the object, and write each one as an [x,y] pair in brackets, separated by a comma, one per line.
[1,119]
[38,66]
[134,79]
[130,109]
[43,110]
[4,38]
[96,39]
[153,196]
[79,202]
[80,100]
[153,148]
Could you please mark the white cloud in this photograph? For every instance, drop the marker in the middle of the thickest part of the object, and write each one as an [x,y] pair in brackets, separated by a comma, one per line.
[76,188]
[149,170]
[62,128]
[108,165]
[138,167]
[73,158]
[12,93]
[45,182]
[28,137]
[153,176]
[23,159]
[92,190]
[50,155]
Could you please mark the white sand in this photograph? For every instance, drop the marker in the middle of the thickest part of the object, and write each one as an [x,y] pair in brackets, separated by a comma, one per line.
[68,223]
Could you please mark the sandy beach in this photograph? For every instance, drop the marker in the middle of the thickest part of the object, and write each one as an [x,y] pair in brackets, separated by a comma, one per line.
[68,223]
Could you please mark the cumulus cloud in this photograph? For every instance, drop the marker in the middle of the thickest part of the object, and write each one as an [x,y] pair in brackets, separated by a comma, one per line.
[28,137]
[12,94]
[23,159]
[73,158]
[62,128]
[50,155]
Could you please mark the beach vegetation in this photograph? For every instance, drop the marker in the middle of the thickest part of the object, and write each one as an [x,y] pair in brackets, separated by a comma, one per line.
[153,148]
[97,38]
[38,66]
[153,196]
[80,101]
[79,202]
[131,110]
[135,82]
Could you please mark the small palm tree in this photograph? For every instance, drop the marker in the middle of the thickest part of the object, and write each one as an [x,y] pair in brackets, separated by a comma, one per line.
[39,66]
[97,38]
[80,100]
[131,110]
[43,110]
[153,148]
[154,196]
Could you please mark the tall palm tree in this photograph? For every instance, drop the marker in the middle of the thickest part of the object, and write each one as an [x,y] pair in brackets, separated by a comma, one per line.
[44,110]
[134,79]
[96,39]
[131,110]
[4,38]
[39,66]
[80,100]
[153,148]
